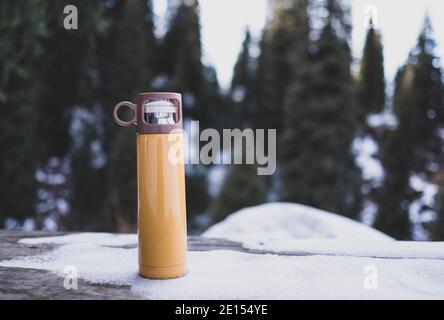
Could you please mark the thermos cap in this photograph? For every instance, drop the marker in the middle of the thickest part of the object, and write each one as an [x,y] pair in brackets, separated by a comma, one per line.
[153,102]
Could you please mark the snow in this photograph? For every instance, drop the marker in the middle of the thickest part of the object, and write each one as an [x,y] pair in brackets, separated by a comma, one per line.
[382,119]
[239,94]
[365,150]
[216,175]
[428,193]
[287,228]
[49,224]
[370,249]
[369,212]
[14,224]
[234,275]
[160,81]
[306,254]
[286,221]
[90,238]
[421,209]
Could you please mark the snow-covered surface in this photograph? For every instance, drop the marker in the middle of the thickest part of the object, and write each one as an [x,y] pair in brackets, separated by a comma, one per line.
[322,256]
[235,275]
[100,239]
[287,228]
[370,249]
[288,221]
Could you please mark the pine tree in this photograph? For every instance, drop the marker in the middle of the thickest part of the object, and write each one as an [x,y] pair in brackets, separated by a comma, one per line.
[241,84]
[437,226]
[215,104]
[67,51]
[242,73]
[318,167]
[181,62]
[87,180]
[23,29]
[283,39]
[371,83]
[122,181]
[242,187]
[67,80]
[197,196]
[86,155]
[395,195]
[428,91]
[262,91]
[285,33]
[128,54]
[181,57]
[415,147]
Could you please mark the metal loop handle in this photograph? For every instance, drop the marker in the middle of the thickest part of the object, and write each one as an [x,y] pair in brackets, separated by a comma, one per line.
[119,121]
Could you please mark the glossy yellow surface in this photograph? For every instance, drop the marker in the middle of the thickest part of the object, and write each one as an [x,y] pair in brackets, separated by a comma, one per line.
[162,210]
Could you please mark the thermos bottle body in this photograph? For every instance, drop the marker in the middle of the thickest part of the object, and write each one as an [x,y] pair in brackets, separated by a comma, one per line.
[162,227]
[162,220]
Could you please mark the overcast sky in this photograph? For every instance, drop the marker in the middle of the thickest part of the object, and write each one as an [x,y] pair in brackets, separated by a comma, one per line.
[224,22]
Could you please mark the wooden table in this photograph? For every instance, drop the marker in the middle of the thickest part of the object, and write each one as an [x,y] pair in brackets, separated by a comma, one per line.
[415,275]
[19,283]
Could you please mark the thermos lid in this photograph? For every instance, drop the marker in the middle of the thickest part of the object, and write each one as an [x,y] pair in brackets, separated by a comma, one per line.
[153,102]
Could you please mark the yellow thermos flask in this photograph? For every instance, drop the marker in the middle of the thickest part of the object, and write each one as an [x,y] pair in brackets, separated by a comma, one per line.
[162,227]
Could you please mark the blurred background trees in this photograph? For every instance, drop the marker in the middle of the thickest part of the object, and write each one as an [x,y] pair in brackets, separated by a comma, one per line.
[318,166]
[65,165]
[22,55]
[127,56]
[371,84]
[412,153]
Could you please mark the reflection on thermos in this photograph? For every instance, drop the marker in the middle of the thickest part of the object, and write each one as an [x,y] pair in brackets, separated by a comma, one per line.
[161,184]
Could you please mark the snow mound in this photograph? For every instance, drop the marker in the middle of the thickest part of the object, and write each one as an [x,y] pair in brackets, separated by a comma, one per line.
[234,275]
[285,221]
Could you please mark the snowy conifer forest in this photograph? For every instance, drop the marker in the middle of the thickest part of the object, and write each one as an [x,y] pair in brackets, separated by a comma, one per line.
[351,140]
